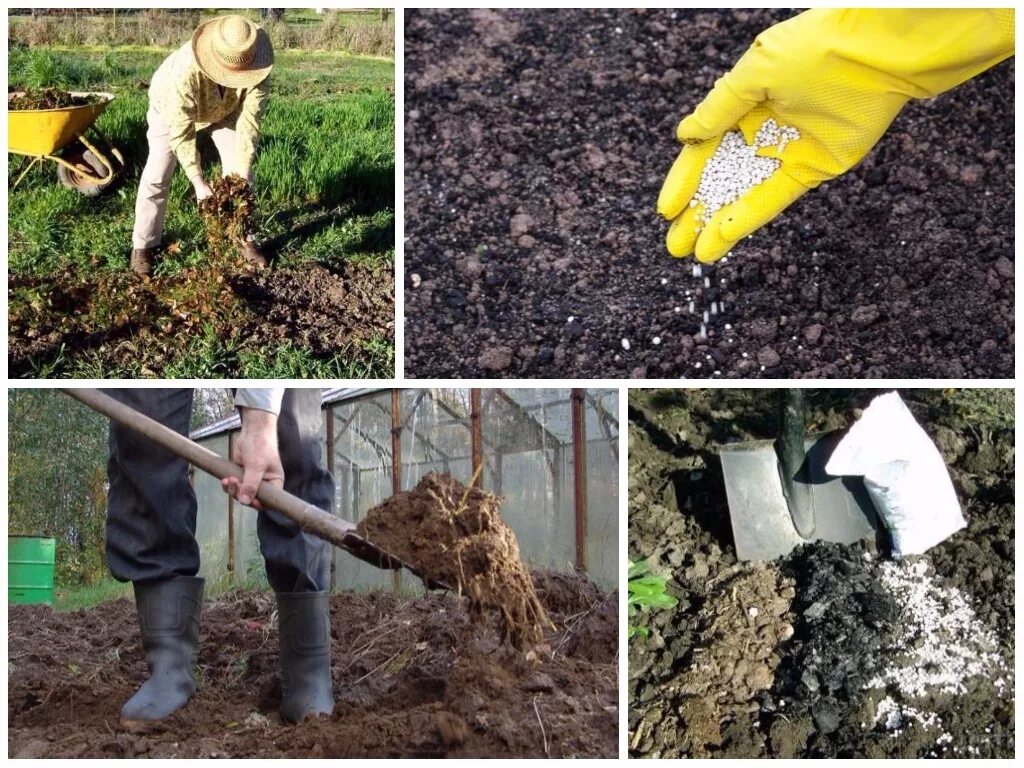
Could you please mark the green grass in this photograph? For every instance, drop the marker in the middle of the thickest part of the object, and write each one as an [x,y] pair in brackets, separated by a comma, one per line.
[76,598]
[324,178]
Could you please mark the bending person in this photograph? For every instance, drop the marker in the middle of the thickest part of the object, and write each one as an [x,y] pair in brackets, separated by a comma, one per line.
[218,81]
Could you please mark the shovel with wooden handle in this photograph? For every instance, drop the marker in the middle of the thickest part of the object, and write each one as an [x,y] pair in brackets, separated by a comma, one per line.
[335,530]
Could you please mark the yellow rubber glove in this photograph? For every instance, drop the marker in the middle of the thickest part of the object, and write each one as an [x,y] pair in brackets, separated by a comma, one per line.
[839,77]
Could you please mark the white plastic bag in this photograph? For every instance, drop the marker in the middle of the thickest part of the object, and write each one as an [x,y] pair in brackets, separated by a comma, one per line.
[904,474]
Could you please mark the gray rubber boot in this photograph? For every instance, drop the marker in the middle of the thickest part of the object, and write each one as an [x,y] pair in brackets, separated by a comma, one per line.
[169,620]
[305,629]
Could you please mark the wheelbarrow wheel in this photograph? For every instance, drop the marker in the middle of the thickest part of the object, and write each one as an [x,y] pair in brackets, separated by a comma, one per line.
[80,156]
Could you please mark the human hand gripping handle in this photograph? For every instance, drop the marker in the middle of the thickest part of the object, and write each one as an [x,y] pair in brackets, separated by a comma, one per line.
[839,77]
[256,451]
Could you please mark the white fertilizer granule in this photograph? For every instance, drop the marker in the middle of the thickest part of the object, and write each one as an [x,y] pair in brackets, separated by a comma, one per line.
[736,168]
[941,643]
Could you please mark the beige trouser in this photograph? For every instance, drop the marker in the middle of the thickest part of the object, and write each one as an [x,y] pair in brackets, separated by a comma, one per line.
[155,184]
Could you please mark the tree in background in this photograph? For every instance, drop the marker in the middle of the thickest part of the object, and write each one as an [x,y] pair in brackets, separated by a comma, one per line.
[211,405]
[57,452]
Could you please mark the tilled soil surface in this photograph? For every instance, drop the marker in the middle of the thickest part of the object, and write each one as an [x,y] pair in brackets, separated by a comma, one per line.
[412,678]
[123,321]
[800,676]
[536,143]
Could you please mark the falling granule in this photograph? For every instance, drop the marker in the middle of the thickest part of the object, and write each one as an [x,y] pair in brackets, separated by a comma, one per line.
[707,317]
[697,364]
[728,327]
[703,335]
[656,340]
[664,281]
[678,309]
[707,282]
[625,344]
[693,307]
[696,270]
[714,308]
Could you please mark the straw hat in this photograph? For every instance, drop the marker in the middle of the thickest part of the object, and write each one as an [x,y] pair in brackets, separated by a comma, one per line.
[233,52]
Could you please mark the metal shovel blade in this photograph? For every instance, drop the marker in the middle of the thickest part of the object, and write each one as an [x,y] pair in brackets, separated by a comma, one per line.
[762,526]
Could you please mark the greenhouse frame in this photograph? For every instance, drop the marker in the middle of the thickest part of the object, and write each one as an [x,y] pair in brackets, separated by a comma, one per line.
[551,453]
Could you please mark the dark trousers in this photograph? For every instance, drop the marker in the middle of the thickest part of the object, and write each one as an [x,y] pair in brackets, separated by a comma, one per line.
[151,507]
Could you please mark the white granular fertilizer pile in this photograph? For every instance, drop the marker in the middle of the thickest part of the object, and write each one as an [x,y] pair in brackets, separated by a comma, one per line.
[941,644]
[736,168]
[895,716]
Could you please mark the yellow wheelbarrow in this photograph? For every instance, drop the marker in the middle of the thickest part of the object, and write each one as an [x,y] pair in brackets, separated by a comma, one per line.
[42,133]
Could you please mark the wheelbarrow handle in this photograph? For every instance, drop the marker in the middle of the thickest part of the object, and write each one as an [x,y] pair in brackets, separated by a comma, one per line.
[311,519]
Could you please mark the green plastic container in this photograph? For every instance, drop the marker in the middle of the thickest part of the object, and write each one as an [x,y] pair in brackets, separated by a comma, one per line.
[30,562]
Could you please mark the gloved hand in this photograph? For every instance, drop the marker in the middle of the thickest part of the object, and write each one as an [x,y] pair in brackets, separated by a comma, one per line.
[839,77]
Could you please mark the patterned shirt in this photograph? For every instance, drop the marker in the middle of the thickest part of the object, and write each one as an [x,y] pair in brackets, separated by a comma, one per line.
[189,101]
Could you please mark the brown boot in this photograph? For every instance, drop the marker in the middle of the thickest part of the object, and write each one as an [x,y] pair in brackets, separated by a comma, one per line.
[143,260]
[253,253]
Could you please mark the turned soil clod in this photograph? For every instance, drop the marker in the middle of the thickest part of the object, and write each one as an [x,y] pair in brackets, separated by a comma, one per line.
[228,215]
[454,534]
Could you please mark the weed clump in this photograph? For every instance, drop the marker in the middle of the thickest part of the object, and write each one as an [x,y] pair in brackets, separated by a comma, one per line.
[454,534]
[49,98]
[228,215]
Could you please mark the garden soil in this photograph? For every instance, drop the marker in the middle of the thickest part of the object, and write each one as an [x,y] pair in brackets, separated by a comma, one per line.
[127,322]
[830,626]
[537,142]
[454,535]
[413,677]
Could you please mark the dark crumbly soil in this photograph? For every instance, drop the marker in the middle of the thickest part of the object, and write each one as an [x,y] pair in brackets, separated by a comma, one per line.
[454,535]
[128,322]
[537,141]
[412,678]
[814,705]
[326,311]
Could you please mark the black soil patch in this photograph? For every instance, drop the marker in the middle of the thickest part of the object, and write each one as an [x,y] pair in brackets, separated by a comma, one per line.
[537,142]
[843,621]
[128,322]
[454,535]
[412,678]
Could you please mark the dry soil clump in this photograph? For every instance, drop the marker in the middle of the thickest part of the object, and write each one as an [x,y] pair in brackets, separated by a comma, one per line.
[454,534]
[741,626]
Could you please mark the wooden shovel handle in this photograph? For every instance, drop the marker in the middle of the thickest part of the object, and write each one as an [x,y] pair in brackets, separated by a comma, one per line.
[311,519]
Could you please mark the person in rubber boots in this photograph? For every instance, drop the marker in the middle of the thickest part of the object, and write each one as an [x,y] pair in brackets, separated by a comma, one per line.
[151,525]
[218,81]
[837,78]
